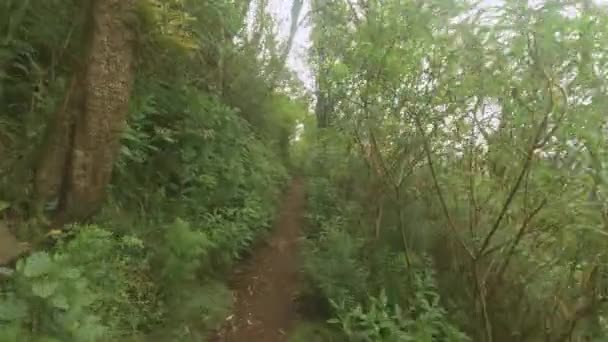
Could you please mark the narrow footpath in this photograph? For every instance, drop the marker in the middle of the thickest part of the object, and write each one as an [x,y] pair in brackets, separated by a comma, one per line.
[266,286]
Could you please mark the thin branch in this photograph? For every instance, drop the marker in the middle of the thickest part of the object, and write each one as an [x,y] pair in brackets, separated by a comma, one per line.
[444,206]
[559,120]
[527,163]
[354,12]
[481,295]
[471,192]
[507,203]
[520,234]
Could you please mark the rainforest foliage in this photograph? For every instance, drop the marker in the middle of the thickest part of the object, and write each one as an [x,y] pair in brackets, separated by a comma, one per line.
[455,154]
[458,164]
[190,110]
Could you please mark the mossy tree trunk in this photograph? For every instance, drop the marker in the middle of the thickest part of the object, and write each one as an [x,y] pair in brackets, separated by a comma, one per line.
[84,135]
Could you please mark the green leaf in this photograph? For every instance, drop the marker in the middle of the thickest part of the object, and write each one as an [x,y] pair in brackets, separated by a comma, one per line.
[49,339]
[37,264]
[4,205]
[90,329]
[71,273]
[12,309]
[7,272]
[44,288]
[60,301]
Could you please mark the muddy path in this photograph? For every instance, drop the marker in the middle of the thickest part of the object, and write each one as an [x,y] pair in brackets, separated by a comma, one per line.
[267,284]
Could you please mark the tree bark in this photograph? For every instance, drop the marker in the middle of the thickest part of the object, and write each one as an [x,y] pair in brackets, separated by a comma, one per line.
[84,136]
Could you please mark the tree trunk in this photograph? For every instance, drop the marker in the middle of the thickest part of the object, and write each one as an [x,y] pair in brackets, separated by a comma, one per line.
[84,136]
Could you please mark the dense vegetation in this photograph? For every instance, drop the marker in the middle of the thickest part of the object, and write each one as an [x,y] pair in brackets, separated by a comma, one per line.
[456,164]
[199,166]
[459,165]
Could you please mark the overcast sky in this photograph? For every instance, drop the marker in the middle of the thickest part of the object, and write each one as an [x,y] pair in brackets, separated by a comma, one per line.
[281,10]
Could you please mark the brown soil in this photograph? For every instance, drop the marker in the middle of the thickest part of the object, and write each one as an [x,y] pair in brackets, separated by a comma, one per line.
[267,285]
[10,248]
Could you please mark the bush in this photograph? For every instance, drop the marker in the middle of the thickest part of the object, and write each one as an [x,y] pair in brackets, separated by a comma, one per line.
[94,285]
[425,321]
[373,294]
[333,264]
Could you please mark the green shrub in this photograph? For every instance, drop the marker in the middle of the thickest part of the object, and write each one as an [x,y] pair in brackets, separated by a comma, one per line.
[333,264]
[322,201]
[95,282]
[373,294]
[50,299]
[181,252]
[425,321]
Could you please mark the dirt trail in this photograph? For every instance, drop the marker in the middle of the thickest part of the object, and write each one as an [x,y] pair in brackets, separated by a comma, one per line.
[10,248]
[267,285]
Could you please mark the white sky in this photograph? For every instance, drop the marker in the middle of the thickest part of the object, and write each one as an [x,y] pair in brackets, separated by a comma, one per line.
[298,58]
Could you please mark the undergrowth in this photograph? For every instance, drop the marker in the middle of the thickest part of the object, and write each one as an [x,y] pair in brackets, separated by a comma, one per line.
[370,291]
[202,161]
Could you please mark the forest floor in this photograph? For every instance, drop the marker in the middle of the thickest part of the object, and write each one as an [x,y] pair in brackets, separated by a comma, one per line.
[267,285]
[10,248]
